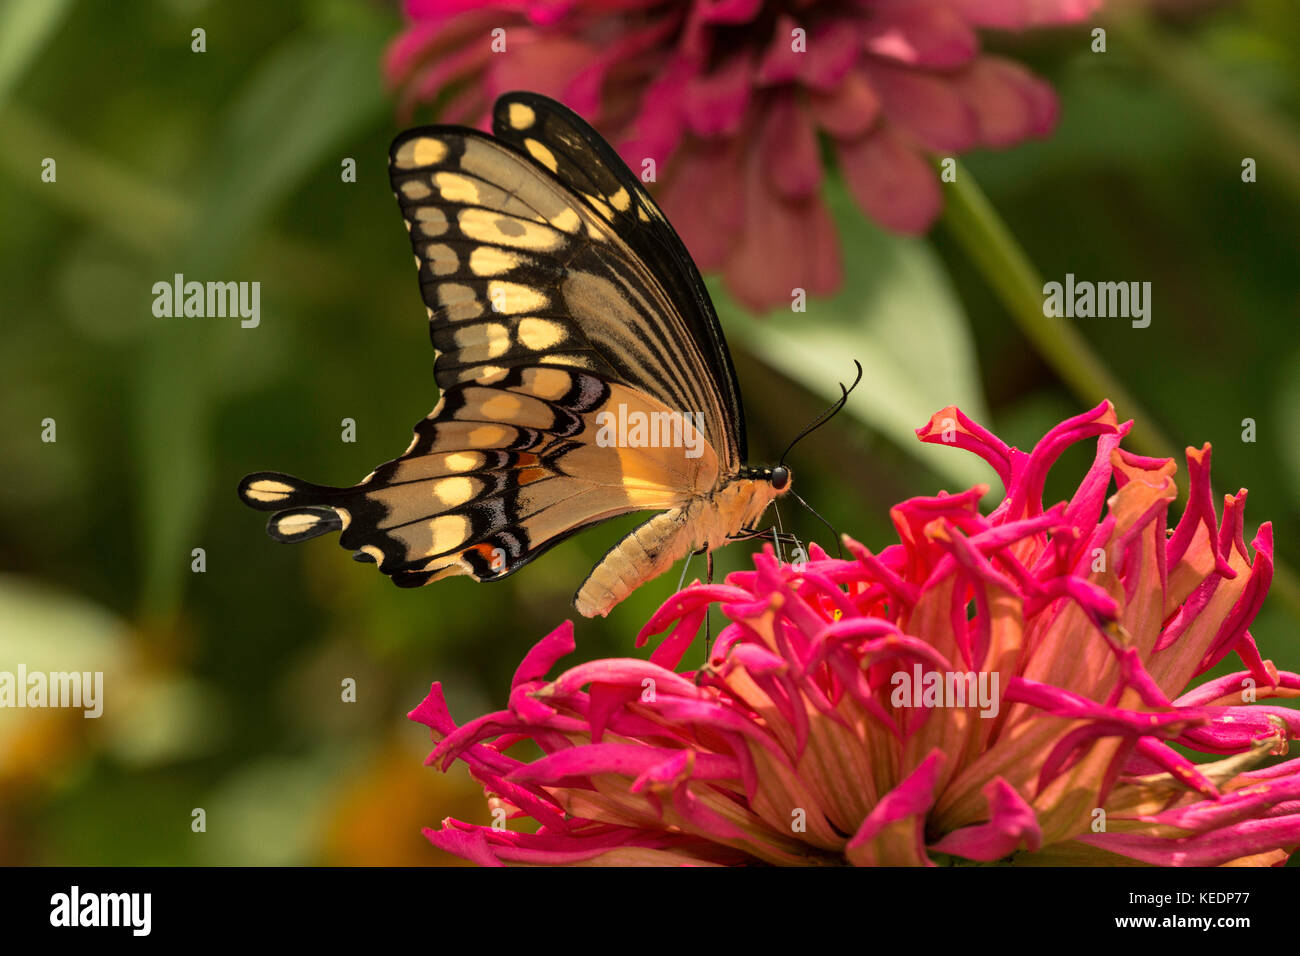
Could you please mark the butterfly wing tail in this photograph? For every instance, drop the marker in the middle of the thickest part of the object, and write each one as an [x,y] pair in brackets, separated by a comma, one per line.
[411,535]
[302,510]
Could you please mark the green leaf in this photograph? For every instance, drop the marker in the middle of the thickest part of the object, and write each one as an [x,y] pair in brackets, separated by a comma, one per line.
[25,26]
[313,93]
[898,315]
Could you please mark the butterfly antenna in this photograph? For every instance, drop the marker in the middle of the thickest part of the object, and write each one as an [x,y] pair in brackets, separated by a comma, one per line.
[827,415]
[834,534]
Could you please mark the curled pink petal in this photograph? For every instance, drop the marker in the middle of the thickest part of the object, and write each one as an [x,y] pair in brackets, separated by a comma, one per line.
[1012,825]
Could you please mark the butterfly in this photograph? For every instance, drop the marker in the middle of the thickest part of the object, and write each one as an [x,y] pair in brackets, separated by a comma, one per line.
[582,369]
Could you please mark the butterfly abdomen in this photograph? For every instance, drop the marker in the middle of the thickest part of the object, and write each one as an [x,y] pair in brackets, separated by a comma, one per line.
[648,551]
[652,548]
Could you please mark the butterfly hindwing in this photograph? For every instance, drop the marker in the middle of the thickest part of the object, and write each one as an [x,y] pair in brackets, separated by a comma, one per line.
[494,476]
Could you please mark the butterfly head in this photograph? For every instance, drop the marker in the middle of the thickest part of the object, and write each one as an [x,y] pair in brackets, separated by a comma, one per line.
[778,476]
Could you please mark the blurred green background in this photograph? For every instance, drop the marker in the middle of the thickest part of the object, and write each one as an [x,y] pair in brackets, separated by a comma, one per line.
[223,687]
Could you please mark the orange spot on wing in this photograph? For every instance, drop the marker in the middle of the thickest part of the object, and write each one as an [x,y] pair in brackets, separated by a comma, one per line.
[494,557]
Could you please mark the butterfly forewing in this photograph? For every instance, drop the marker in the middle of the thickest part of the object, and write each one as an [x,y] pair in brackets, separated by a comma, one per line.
[515,268]
[590,169]
[494,476]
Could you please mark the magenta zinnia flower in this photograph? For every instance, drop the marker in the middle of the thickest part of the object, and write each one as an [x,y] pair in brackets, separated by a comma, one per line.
[728,98]
[798,744]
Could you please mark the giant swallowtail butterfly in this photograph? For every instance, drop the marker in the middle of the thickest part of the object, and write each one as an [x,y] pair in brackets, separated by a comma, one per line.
[564,311]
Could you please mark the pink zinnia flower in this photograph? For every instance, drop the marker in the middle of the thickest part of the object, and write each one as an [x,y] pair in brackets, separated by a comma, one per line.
[794,744]
[728,99]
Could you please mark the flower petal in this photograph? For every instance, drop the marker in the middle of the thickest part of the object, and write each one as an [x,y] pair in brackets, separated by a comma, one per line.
[892,183]
[1012,824]
[894,832]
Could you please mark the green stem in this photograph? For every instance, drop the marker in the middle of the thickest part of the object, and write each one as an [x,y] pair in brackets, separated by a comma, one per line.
[988,242]
[993,249]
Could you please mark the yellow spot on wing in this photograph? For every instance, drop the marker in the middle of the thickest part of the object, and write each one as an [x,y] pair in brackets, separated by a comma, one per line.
[576,361]
[296,523]
[268,490]
[601,207]
[448,532]
[539,334]
[429,151]
[548,383]
[451,492]
[501,406]
[477,334]
[459,302]
[621,200]
[540,153]
[521,115]
[432,221]
[453,187]
[491,261]
[485,225]
[422,151]
[512,298]
[492,337]
[464,461]
[442,258]
[488,436]
[567,220]
[415,189]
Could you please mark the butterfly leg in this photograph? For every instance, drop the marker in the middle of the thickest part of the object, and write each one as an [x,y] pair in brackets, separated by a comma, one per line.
[687,563]
[798,553]
[686,566]
[777,532]
[708,633]
[750,534]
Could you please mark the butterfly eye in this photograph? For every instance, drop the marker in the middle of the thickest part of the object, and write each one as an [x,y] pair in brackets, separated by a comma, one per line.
[780,477]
